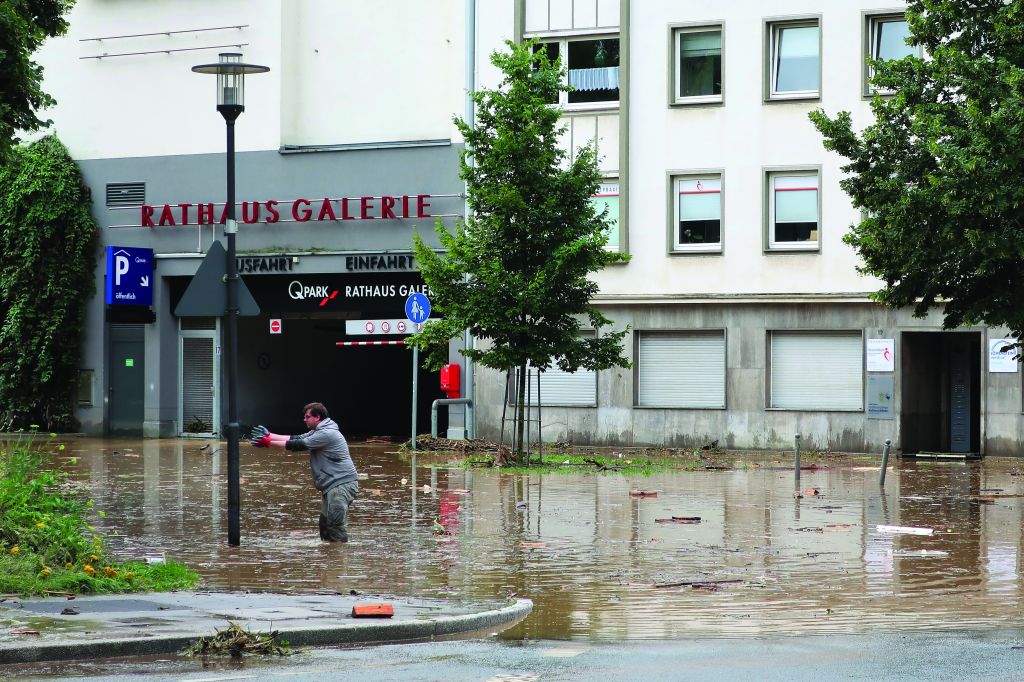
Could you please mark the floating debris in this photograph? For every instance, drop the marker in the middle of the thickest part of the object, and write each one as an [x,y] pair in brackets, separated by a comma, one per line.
[643,493]
[680,519]
[236,641]
[909,530]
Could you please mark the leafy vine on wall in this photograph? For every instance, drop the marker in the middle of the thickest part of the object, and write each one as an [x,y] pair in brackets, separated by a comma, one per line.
[48,239]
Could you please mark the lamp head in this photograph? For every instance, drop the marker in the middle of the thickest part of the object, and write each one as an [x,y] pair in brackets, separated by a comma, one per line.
[230,71]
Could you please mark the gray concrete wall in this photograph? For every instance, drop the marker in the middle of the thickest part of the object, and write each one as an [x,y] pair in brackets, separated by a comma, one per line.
[746,422]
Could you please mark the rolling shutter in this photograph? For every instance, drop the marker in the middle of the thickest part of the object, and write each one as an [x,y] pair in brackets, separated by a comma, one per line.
[681,369]
[812,371]
[566,388]
[197,381]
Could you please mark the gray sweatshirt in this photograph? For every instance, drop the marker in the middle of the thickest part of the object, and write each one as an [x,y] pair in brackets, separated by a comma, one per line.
[329,457]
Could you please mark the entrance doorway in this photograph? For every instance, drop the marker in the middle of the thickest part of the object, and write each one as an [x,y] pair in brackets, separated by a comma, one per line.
[941,394]
[199,364]
[126,387]
[367,389]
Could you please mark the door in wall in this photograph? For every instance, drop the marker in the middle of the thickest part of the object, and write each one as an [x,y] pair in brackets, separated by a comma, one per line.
[126,387]
[198,405]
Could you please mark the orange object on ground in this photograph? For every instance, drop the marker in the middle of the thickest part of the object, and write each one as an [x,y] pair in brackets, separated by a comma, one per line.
[372,611]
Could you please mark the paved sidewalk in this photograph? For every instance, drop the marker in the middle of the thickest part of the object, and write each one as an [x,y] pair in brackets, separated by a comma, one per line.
[58,628]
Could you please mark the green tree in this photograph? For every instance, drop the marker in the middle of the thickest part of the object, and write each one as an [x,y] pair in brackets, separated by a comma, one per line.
[516,273]
[48,238]
[939,173]
[24,25]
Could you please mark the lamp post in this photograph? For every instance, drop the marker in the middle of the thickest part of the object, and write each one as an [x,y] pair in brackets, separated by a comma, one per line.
[230,71]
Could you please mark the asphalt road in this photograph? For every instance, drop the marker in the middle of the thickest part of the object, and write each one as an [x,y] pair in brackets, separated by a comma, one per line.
[989,655]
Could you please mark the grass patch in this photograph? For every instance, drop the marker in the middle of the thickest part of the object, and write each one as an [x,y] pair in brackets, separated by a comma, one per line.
[47,543]
[644,461]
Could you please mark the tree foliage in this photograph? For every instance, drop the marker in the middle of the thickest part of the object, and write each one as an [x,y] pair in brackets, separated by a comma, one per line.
[48,239]
[939,174]
[24,25]
[517,273]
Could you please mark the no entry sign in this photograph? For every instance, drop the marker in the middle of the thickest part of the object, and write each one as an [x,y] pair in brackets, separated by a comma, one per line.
[275,326]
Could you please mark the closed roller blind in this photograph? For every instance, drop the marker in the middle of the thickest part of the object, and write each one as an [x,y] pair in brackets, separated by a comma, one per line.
[678,369]
[817,371]
[197,380]
[566,388]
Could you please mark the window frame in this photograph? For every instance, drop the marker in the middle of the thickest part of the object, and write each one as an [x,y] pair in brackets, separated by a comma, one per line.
[674,31]
[610,180]
[772,27]
[721,332]
[675,248]
[869,22]
[770,245]
[770,368]
[563,39]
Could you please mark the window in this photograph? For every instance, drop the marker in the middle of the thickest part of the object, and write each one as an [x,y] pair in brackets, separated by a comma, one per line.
[698,212]
[681,369]
[698,63]
[793,210]
[794,60]
[593,68]
[816,371]
[886,38]
[86,381]
[556,387]
[608,197]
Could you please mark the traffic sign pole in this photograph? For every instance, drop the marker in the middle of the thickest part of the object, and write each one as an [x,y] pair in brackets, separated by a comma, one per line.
[415,382]
[417,309]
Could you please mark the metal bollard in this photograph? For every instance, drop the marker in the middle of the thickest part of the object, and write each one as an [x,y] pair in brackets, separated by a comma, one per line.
[796,466]
[885,462]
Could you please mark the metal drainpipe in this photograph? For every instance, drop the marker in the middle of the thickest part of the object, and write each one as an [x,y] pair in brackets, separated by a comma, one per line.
[471,122]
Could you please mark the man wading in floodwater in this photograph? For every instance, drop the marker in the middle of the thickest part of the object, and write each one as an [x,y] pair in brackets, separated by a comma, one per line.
[334,474]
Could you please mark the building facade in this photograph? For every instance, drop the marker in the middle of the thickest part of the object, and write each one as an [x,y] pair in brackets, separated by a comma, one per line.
[345,149]
[748,320]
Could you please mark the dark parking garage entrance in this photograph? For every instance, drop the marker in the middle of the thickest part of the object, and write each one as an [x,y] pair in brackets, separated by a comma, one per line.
[367,389]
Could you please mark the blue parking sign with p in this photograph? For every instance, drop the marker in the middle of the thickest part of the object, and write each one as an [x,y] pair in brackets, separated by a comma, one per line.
[129,275]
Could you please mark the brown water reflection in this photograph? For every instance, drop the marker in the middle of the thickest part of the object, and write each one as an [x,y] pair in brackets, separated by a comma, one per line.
[593,552]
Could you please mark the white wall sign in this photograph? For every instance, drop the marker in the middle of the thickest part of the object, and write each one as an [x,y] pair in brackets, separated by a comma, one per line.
[881,355]
[1000,360]
[379,327]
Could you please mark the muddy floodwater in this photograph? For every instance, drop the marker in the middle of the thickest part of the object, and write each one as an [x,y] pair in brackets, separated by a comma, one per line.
[599,561]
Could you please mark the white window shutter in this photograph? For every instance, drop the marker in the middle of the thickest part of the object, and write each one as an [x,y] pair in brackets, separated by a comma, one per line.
[811,371]
[681,369]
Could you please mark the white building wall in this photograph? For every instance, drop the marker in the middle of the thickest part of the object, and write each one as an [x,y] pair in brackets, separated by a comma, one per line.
[741,136]
[340,73]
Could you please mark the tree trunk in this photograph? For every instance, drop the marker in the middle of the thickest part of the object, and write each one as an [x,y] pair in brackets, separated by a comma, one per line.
[520,412]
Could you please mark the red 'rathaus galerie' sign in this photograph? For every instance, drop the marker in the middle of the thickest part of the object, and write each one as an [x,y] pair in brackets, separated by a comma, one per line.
[298,210]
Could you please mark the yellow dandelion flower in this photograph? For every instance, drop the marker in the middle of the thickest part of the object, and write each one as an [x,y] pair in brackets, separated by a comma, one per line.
[40,525]
[93,557]
[15,549]
[88,569]
[129,575]
[110,571]
[45,572]
[68,565]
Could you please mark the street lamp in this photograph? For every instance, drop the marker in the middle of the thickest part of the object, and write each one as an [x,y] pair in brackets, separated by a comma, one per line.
[231,72]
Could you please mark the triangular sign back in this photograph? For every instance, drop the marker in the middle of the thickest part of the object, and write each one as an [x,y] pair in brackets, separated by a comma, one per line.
[207,293]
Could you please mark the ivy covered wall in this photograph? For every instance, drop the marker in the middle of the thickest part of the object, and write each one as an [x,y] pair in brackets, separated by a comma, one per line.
[48,239]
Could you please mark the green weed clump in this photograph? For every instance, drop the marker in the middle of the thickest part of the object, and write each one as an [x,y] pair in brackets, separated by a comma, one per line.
[47,543]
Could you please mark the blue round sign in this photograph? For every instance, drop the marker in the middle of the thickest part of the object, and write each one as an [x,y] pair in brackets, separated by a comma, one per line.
[417,308]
